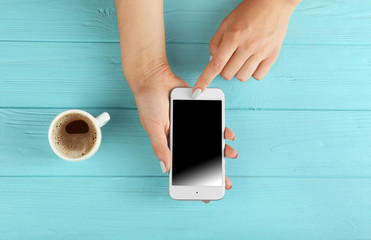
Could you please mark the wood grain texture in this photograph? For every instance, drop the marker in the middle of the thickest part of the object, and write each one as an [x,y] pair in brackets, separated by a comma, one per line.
[140,208]
[270,143]
[192,21]
[303,133]
[78,75]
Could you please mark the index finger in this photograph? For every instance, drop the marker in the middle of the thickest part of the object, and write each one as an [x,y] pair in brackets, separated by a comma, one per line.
[216,65]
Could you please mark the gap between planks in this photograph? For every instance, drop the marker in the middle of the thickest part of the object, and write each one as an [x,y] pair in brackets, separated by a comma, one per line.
[156,176]
[175,43]
[228,109]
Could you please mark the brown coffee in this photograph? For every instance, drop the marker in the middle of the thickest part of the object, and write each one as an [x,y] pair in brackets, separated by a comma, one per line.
[74,135]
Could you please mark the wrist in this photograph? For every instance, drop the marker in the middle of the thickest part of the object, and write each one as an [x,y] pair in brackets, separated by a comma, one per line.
[146,73]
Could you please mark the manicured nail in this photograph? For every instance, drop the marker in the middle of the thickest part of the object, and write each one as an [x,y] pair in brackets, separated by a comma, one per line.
[211,57]
[163,167]
[197,93]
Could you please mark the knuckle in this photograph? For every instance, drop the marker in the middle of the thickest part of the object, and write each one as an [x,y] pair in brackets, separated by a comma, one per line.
[157,151]
[212,45]
[216,64]
[233,34]
[263,51]
[235,31]
[249,47]
[255,59]
[245,47]
[252,44]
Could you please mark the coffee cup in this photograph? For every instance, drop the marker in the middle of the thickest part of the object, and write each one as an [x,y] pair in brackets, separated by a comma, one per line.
[75,135]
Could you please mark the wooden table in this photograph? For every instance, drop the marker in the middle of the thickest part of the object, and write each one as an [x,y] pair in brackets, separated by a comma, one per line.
[303,133]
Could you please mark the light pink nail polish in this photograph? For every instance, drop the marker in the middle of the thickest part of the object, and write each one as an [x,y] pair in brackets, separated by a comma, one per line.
[163,167]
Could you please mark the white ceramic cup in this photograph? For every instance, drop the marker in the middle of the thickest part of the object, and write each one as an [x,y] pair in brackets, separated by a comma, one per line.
[98,122]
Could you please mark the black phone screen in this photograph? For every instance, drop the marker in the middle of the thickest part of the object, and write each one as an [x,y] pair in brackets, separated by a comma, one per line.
[197,143]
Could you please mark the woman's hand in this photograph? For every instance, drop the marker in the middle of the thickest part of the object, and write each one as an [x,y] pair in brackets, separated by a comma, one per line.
[144,62]
[248,41]
[152,99]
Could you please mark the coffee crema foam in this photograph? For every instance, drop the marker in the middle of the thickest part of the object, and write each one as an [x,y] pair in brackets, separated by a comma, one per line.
[74,144]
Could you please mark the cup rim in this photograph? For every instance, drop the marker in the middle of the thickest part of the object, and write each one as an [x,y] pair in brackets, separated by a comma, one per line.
[96,145]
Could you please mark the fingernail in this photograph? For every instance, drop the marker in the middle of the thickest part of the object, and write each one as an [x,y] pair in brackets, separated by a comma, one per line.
[197,93]
[234,138]
[211,57]
[236,156]
[163,167]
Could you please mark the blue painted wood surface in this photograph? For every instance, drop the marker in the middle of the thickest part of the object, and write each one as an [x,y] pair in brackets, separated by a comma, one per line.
[303,133]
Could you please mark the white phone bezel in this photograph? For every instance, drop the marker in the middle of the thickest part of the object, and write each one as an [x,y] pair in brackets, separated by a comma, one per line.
[197,192]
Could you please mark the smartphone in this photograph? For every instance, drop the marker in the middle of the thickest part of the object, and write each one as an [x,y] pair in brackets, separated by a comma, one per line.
[197,145]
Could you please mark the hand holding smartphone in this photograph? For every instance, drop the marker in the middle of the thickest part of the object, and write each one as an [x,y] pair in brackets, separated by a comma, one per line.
[197,145]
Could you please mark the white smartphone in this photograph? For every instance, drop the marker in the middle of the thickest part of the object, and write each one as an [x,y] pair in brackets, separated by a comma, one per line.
[197,145]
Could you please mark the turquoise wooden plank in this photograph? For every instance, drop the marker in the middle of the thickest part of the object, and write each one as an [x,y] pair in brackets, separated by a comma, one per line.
[90,75]
[192,21]
[78,75]
[270,143]
[140,208]
[301,174]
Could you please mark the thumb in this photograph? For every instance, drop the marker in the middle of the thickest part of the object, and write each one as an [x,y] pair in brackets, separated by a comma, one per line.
[160,146]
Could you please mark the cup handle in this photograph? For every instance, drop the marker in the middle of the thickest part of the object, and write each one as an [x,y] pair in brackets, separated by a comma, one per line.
[103,119]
